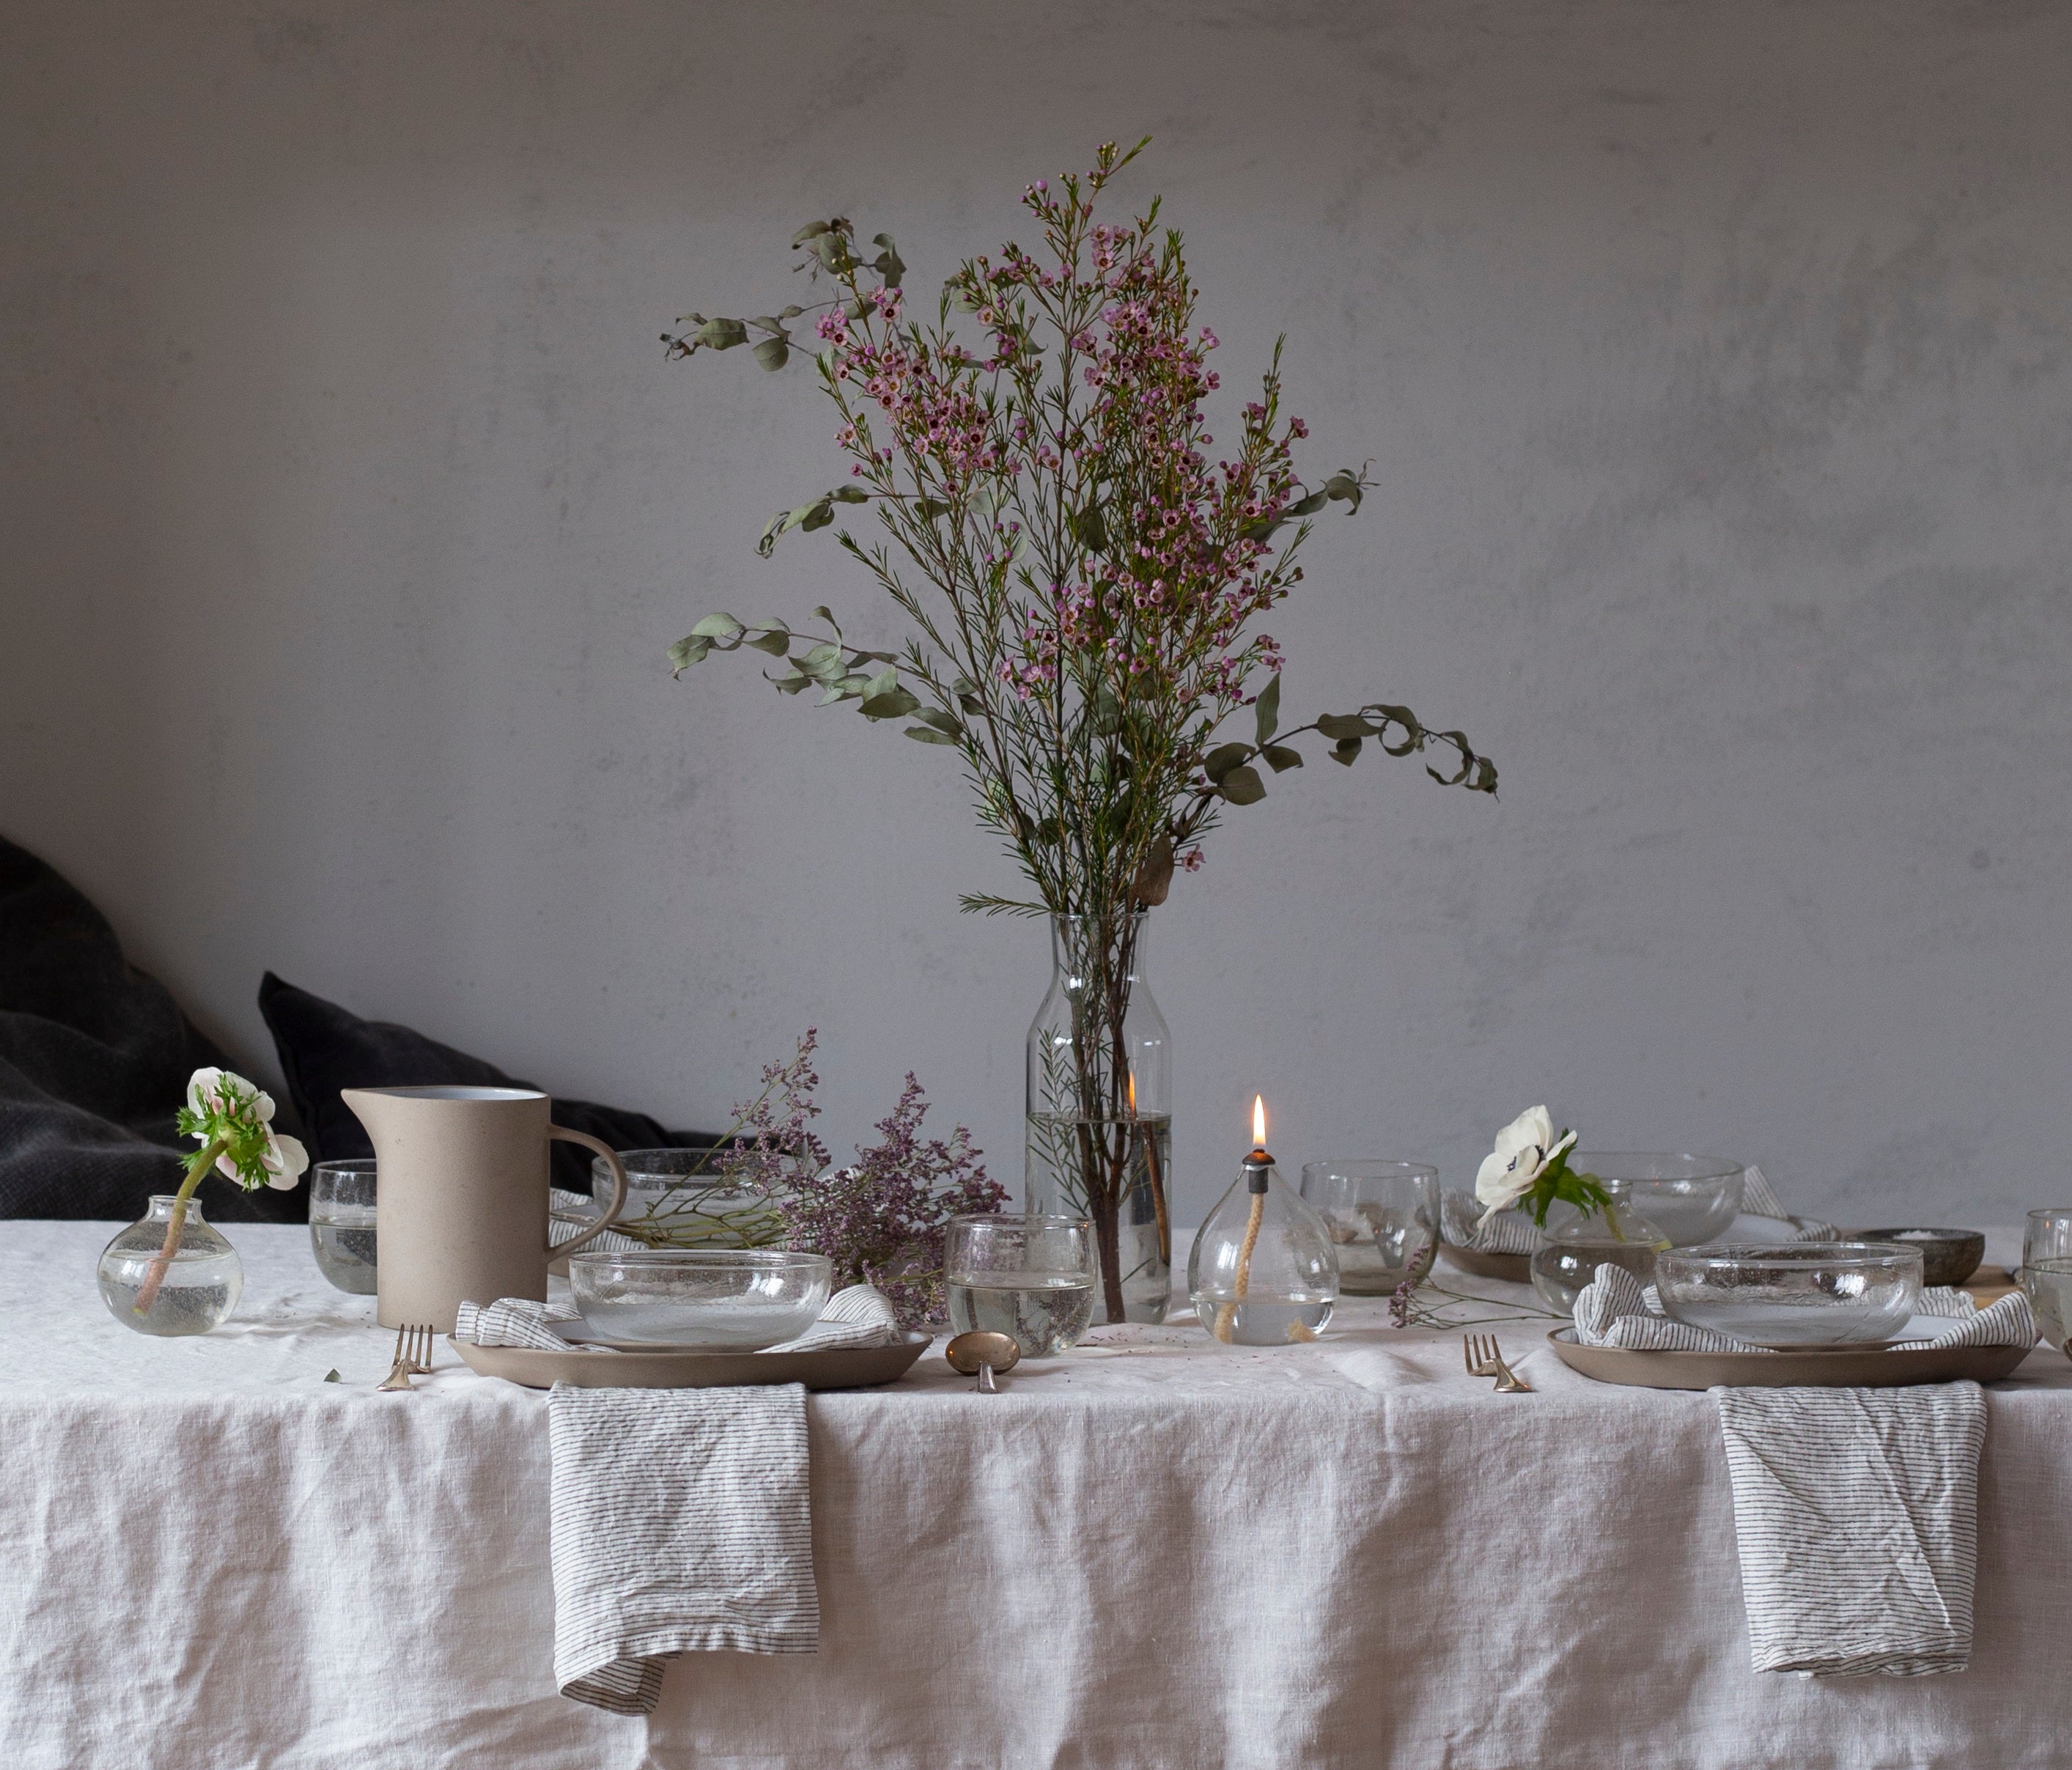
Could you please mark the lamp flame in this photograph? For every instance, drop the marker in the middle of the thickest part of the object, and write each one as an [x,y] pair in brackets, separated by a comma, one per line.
[1258,1121]
[1132,1093]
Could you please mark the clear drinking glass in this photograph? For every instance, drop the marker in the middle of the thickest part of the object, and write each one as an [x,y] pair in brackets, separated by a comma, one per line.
[2049,1283]
[2047,1236]
[1690,1198]
[1029,1277]
[1382,1217]
[341,1223]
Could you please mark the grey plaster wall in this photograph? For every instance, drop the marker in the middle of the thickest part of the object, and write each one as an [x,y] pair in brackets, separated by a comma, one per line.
[1713,359]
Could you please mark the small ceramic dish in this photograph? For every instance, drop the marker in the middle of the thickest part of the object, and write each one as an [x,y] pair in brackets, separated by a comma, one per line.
[1948,1256]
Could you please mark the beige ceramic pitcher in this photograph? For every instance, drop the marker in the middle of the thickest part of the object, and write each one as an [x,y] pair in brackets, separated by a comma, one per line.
[461,1207]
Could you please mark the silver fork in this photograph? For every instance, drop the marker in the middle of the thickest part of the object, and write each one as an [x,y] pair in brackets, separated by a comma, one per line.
[413,1358]
[1483,1360]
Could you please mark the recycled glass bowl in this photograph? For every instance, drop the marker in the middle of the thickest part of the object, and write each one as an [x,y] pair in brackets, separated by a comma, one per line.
[678,1197]
[1689,1198]
[1948,1256]
[1795,1294]
[732,1299]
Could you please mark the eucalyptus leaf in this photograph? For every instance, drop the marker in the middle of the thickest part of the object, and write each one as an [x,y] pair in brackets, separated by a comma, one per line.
[789,313]
[720,335]
[946,723]
[827,614]
[1344,484]
[817,515]
[1381,718]
[883,682]
[790,682]
[686,652]
[1089,531]
[774,353]
[825,661]
[850,494]
[1154,878]
[892,704]
[807,231]
[888,264]
[1340,726]
[721,628]
[1280,759]
[1242,787]
[773,640]
[1220,760]
[1268,708]
[923,734]
[1346,751]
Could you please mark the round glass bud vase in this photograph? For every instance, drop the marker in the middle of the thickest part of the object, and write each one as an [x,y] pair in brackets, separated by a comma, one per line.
[202,1281]
[1263,1272]
[1569,1258]
[1098,1111]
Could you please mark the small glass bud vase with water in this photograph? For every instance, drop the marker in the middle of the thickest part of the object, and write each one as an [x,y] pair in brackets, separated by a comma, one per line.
[1263,1272]
[1031,1278]
[190,1293]
[1616,1234]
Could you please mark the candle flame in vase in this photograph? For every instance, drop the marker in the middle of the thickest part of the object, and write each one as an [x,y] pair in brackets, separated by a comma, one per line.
[1259,1121]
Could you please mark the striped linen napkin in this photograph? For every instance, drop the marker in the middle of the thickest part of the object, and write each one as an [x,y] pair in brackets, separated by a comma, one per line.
[1856,1523]
[1615,1310]
[681,1523]
[859,1316]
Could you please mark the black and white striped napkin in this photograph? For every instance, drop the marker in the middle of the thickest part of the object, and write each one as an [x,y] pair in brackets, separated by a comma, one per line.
[1856,1521]
[1615,1310]
[859,1316]
[681,1523]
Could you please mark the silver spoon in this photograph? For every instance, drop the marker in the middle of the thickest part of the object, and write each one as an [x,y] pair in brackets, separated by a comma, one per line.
[979,1354]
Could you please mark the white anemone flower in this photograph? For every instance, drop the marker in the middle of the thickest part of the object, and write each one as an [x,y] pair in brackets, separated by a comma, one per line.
[1508,1172]
[224,1107]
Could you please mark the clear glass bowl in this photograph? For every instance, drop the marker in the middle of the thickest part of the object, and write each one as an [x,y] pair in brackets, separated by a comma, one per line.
[673,1199]
[1382,1217]
[738,1299]
[1798,1294]
[1690,1198]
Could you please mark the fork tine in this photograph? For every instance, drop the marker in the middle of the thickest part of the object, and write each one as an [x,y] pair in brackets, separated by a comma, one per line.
[1468,1353]
[421,1348]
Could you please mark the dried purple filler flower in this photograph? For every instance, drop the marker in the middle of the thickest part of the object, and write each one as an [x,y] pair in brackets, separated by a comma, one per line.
[881,1220]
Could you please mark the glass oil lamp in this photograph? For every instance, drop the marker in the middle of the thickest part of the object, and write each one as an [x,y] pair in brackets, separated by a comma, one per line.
[1262,1272]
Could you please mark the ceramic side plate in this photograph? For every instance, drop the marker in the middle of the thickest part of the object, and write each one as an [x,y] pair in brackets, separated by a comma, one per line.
[1818,1367]
[847,1367]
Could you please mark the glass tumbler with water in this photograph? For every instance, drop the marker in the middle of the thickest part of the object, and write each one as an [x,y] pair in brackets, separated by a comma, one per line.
[2046,1236]
[1028,1277]
[1384,1219]
[341,1223]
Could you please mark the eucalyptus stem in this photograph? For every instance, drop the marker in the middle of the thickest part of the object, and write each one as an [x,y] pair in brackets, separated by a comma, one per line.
[155,1279]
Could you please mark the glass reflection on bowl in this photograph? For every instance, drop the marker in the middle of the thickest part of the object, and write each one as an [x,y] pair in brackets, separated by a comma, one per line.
[1797,1293]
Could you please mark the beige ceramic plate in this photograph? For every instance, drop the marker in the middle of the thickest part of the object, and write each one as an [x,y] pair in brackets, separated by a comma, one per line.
[847,1367]
[1817,1367]
[1516,1268]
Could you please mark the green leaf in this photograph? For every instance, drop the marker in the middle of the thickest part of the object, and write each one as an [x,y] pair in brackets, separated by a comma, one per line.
[720,335]
[1280,759]
[825,661]
[1268,708]
[924,735]
[773,640]
[827,614]
[836,692]
[1088,530]
[946,723]
[1220,760]
[1306,507]
[888,264]
[1346,750]
[1381,718]
[928,509]
[850,494]
[686,652]
[808,231]
[332,1377]
[774,353]
[1340,726]
[722,630]
[790,682]
[1344,484]
[789,313]
[1242,787]
[817,515]
[884,682]
[1483,780]
[892,704]
[1459,741]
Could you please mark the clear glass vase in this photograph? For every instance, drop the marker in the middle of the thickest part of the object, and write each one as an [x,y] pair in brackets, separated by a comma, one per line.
[1569,1259]
[1100,1119]
[201,1283]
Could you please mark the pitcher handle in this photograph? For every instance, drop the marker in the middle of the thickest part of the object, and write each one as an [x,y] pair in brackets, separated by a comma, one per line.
[618,1197]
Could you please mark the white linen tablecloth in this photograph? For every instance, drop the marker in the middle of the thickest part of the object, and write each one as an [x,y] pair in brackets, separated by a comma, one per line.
[1166,1555]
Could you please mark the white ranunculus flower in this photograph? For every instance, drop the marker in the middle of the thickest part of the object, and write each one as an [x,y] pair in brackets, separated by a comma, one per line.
[201,1089]
[286,1160]
[281,1159]
[1522,1151]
